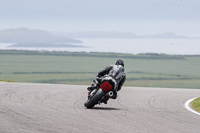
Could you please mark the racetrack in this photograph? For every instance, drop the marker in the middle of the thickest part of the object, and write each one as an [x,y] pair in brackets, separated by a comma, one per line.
[53,108]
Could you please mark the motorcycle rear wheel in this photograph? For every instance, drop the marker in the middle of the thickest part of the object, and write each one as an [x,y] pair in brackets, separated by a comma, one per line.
[94,100]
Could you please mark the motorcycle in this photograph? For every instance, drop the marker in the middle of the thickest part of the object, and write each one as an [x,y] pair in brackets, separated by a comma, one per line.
[104,90]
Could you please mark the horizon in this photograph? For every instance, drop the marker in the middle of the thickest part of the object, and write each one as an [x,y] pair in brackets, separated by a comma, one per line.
[64,33]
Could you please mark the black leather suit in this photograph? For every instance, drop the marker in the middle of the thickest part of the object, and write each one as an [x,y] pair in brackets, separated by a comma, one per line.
[116,72]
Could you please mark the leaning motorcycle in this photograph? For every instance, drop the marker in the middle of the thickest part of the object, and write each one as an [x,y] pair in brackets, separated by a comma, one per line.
[104,90]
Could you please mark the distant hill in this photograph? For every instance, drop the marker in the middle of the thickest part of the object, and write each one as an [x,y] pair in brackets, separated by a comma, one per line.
[34,38]
[164,35]
[97,34]
[114,34]
[36,45]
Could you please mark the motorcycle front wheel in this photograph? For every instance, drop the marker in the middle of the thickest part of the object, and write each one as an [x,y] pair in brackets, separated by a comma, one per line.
[94,100]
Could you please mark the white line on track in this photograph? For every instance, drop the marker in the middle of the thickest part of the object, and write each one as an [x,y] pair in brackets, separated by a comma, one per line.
[187,106]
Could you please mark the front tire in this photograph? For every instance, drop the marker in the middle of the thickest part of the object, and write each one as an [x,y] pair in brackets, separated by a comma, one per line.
[94,100]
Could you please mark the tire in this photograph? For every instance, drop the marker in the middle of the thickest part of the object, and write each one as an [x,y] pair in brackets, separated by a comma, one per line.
[94,100]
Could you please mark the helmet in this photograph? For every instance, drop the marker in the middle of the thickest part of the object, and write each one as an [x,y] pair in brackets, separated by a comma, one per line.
[120,62]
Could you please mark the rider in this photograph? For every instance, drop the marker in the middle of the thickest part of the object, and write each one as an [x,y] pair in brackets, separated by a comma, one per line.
[115,71]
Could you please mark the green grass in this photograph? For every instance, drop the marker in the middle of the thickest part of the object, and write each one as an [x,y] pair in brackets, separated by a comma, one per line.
[196,104]
[149,70]
[6,81]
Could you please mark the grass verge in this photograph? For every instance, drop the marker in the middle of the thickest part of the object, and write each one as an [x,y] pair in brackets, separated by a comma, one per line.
[143,70]
[6,81]
[196,104]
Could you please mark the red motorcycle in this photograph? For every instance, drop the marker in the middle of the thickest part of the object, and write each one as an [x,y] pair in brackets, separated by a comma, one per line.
[102,92]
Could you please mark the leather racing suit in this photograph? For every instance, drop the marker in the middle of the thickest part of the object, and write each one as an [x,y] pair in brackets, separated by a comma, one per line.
[114,71]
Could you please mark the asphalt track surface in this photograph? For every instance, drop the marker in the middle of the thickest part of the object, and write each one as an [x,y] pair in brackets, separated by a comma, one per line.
[50,108]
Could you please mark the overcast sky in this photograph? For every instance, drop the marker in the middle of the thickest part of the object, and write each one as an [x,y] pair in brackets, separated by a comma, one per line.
[137,16]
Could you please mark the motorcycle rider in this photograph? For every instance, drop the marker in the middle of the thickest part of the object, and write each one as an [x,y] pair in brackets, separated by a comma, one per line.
[116,72]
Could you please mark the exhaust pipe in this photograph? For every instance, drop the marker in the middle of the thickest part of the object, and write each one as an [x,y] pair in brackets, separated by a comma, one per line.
[110,93]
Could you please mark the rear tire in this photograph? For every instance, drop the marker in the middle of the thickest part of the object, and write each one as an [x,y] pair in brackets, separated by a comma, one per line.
[94,100]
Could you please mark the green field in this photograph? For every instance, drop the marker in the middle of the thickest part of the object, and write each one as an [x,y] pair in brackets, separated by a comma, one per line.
[143,70]
[196,104]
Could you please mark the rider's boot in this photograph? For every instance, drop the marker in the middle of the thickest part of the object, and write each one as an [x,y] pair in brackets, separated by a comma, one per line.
[92,87]
[96,81]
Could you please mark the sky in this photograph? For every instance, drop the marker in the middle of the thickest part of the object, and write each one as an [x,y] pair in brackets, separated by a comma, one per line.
[136,16]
